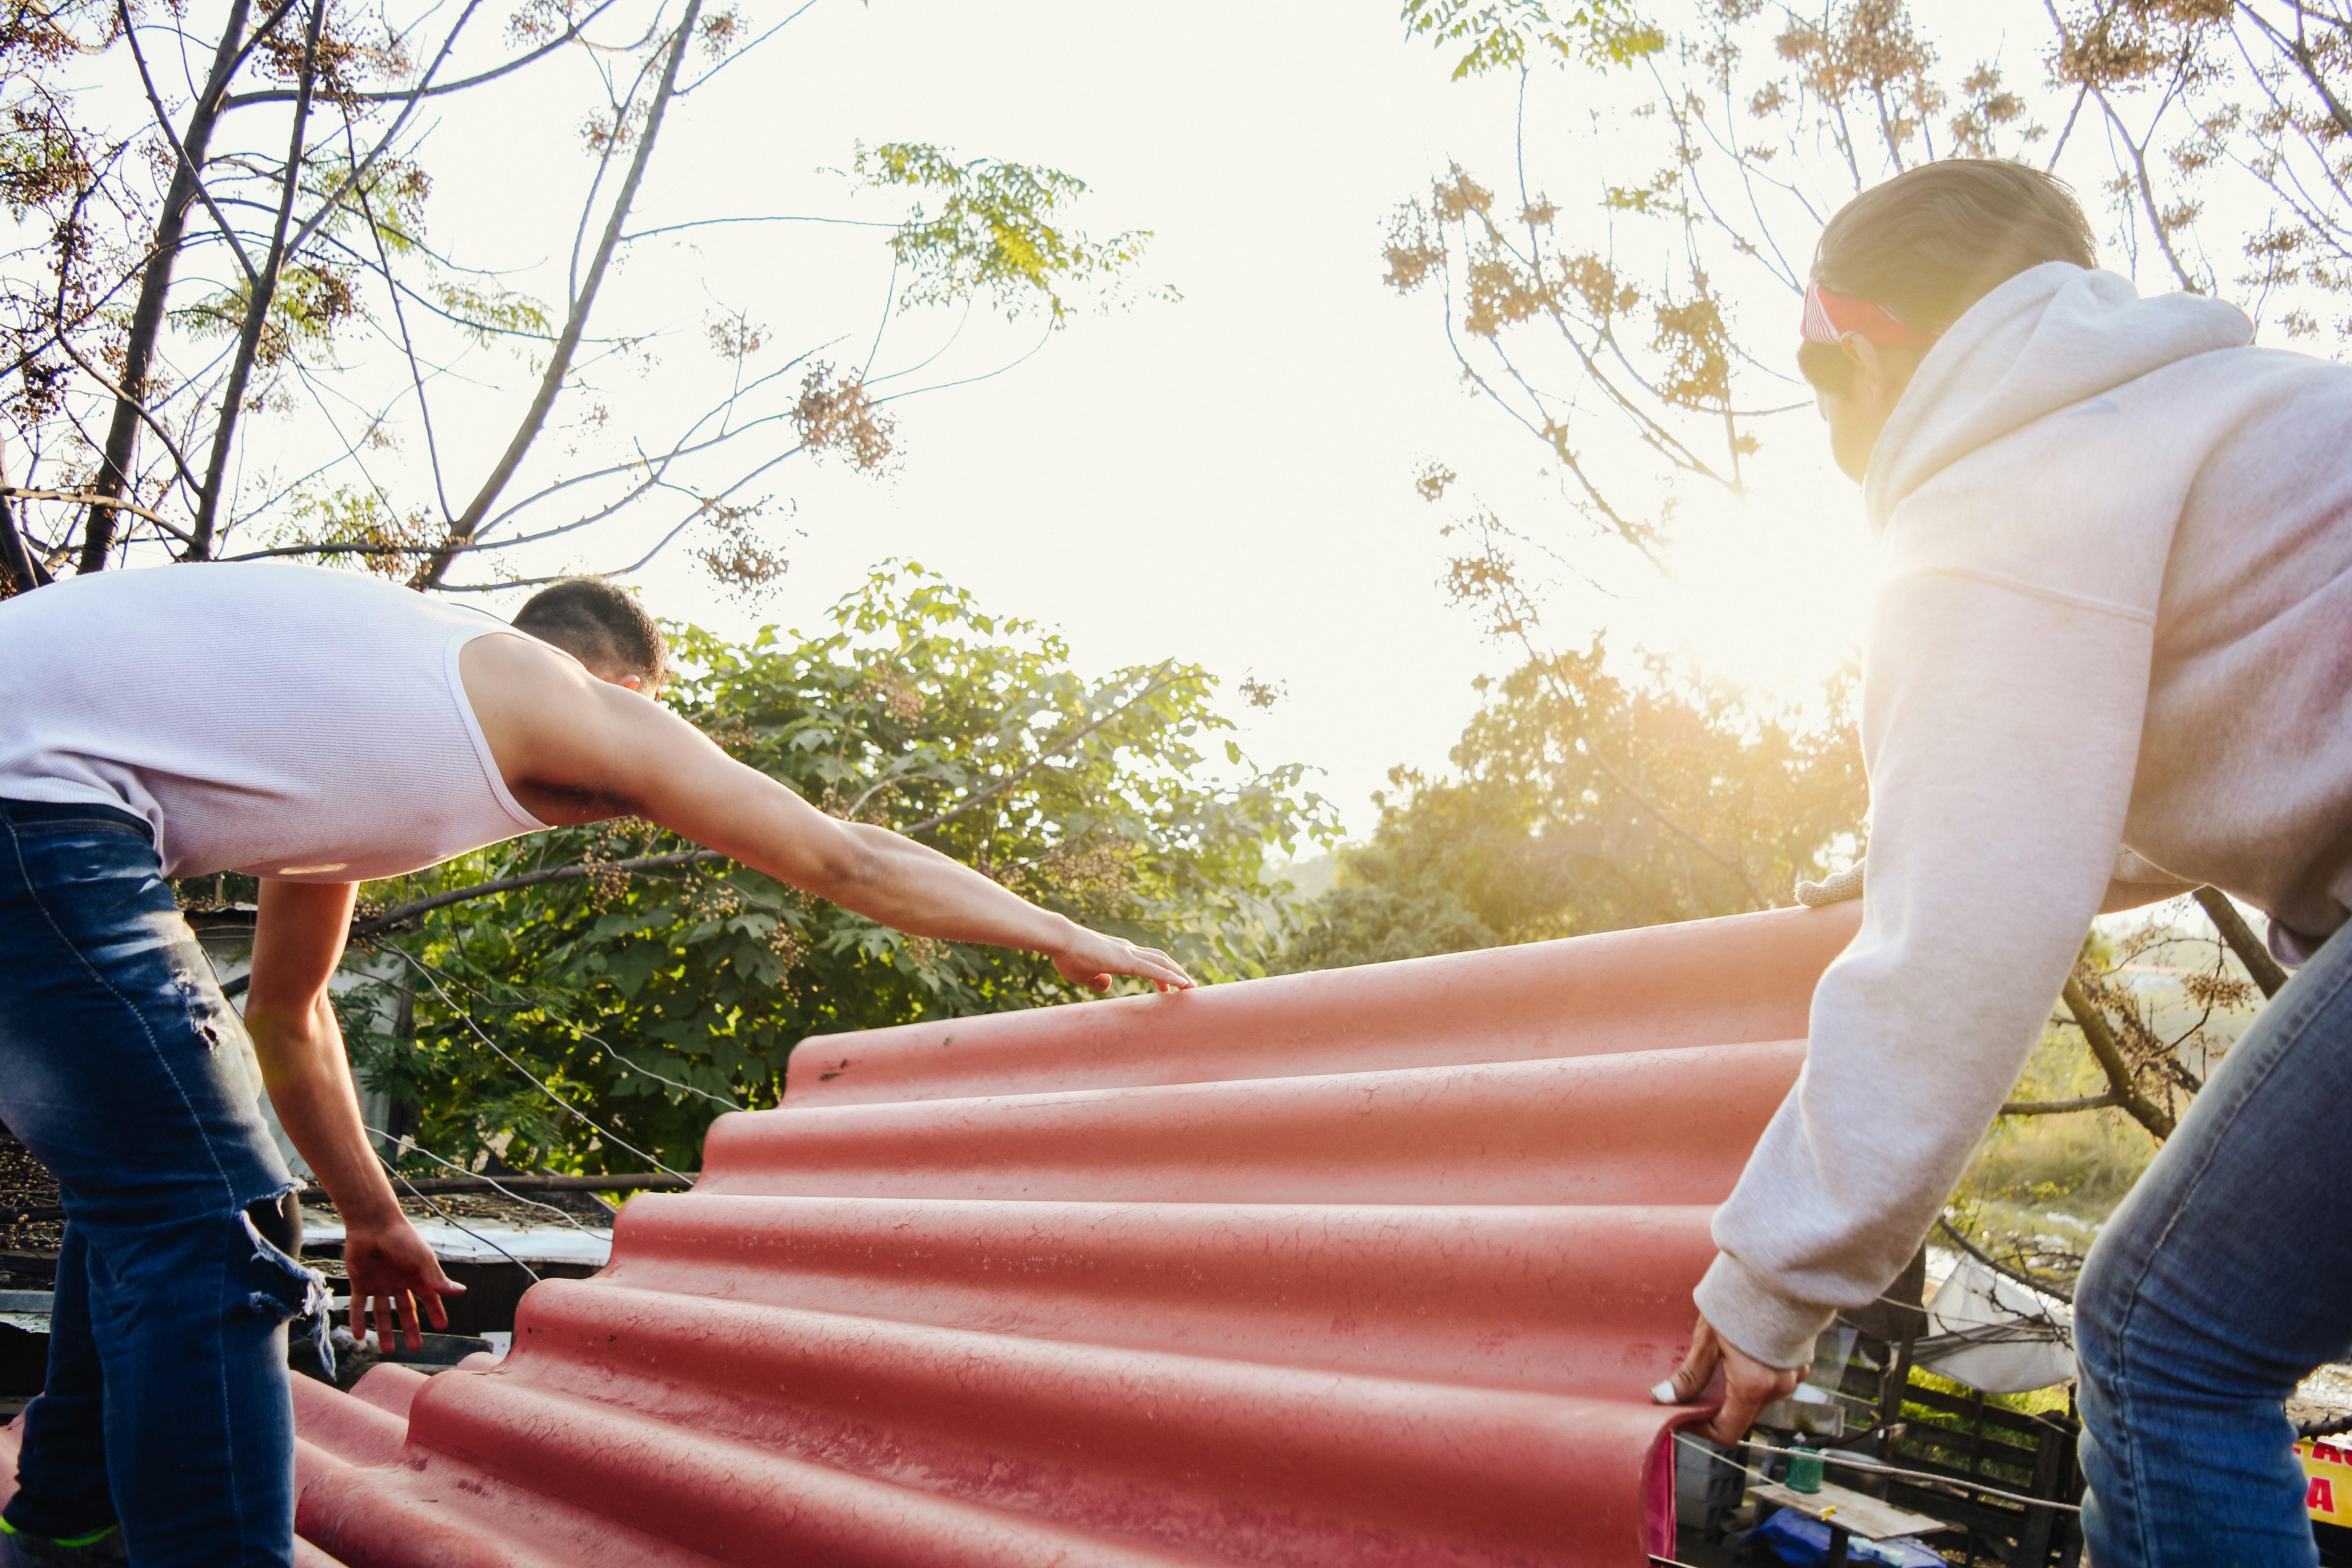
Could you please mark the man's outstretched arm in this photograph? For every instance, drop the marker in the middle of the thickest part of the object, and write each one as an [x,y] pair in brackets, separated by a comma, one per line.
[575,749]
[298,939]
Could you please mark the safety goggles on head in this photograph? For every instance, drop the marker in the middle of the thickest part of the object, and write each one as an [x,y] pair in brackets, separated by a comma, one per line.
[1829,317]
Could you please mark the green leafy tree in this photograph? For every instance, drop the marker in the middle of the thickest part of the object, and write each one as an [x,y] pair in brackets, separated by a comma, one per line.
[648,986]
[1584,802]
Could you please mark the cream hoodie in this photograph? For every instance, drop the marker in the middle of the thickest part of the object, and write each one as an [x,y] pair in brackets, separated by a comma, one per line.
[2114,608]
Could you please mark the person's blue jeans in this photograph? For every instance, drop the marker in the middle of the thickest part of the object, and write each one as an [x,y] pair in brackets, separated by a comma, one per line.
[124,1071]
[2223,1279]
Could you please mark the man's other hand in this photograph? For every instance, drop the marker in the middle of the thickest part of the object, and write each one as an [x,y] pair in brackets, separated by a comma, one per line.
[1749,1384]
[1092,958]
[392,1273]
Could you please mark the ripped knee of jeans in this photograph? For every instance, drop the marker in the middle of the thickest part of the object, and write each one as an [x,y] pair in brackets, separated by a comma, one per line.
[278,1221]
[275,1227]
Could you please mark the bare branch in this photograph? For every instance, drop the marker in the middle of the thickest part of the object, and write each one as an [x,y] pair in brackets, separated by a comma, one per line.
[2059,1107]
[2101,1039]
[180,154]
[2260,967]
[410,94]
[155,284]
[559,365]
[92,498]
[264,291]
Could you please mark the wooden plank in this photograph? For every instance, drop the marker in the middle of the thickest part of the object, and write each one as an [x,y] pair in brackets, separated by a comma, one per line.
[1860,1512]
[1996,1450]
[2032,1427]
[2041,1524]
[2024,1440]
[1987,1519]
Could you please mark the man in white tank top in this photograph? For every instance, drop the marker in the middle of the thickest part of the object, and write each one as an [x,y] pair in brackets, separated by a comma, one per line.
[314,729]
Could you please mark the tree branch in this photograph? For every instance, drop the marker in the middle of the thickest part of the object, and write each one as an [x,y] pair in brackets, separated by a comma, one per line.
[23,577]
[399,913]
[2101,1041]
[410,94]
[90,497]
[163,122]
[620,1182]
[2260,967]
[360,169]
[2059,1107]
[559,365]
[257,309]
[2048,1287]
[155,284]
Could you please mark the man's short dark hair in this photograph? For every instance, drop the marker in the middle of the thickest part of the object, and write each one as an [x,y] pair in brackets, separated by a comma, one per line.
[601,625]
[1935,239]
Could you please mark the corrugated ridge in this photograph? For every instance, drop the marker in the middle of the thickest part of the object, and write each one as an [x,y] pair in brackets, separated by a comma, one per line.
[1704,982]
[430,1511]
[1276,1465]
[1669,1126]
[731,1501]
[1521,1296]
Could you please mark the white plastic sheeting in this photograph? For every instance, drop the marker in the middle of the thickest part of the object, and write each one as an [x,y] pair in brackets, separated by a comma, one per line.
[1996,1335]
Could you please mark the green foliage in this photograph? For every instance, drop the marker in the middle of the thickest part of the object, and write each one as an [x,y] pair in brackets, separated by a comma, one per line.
[994,229]
[486,313]
[315,296]
[377,538]
[309,303]
[2080,1165]
[1499,35]
[1535,838]
[652,1001]
[1384,907]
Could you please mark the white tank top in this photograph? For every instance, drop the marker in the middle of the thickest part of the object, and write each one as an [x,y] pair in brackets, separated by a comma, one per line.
[281,720]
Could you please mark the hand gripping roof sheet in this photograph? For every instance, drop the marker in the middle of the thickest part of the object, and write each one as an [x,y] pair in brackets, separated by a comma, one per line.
[1367,1267]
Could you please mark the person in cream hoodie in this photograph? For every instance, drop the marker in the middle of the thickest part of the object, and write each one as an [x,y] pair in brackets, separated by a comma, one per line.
[2113,630]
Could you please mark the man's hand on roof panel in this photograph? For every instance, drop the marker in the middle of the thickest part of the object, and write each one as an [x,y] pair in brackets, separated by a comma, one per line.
[1749,1384]
[1093,958]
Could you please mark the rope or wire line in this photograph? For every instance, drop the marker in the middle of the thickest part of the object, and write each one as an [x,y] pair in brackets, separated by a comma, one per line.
[581,1031]
[453,1164]
[1831,1456]
[476,1029]
[608,1048]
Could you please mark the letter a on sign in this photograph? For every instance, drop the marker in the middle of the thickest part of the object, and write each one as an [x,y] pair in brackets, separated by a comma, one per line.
[2321,1497]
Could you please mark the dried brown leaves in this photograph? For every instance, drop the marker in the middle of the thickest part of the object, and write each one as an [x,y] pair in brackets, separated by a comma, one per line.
[837,416]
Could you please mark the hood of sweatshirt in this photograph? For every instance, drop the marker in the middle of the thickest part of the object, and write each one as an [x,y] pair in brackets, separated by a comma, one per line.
[2050,338]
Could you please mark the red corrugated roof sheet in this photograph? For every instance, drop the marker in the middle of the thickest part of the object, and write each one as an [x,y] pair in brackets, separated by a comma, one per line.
[1367,1267]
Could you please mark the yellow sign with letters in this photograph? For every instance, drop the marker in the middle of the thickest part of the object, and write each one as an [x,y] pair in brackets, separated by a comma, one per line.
[2327,1478]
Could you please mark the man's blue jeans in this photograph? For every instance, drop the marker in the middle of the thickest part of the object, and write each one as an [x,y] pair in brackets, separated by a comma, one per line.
[125,1071]
[2222,1281]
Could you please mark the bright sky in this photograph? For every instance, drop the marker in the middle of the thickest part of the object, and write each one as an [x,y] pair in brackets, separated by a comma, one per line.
[1227,478]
